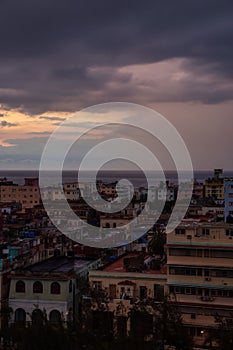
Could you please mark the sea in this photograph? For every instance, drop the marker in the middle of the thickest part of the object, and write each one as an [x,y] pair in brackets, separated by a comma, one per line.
[137,178]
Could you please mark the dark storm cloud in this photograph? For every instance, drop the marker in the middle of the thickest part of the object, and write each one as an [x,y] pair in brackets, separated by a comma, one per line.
[39,133]
[60,55]
[52,118]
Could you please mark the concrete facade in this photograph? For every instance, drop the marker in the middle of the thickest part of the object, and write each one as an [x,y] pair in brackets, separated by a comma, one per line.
[228,200]
[200,274]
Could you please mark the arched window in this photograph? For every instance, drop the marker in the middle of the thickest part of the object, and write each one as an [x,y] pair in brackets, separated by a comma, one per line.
[37,287]
[20,287]
[55,316]
[20,315]
[55,288]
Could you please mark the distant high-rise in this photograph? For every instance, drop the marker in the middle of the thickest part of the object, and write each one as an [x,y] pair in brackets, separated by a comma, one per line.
[228,196]
[214,187]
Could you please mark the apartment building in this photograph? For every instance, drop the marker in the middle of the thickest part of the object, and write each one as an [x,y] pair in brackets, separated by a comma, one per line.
[228,200]
[28,194]
[107,189]
[71,190]
[198,189]
[166,192]
[214,187]
[200,274]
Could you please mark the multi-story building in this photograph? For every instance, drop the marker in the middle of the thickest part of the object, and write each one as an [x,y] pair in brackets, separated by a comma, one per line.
[200,274]
[113,221]
[214,187]
[52,285]
[107,189]
[198,189]
[28,194]
[166,192]
[228,202]
[71,190]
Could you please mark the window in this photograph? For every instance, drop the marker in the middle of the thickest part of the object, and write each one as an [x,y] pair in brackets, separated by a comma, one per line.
[180,231]
[221,254]
[143,292]
[97,285]
[55,288]
[191,291]
[20,316]
[112,291]
[158,292]
[38,287]
[200,332]
[205,231]
[185,252]
[185,271]
[20,287]
[179,290]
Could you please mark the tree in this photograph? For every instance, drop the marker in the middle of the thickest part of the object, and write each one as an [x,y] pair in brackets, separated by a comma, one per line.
[157,243]
[169,326]
[165,327]
[223,334]
[5,315]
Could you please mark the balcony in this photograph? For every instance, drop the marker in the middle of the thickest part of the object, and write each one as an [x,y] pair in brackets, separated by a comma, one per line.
[199,300]
[207,298]
[199,261]
[201,281]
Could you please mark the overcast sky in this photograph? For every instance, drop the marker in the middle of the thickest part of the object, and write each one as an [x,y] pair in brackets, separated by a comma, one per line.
[57,57]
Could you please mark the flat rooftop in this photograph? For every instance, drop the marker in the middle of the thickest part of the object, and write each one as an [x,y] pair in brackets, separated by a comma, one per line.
[118,265]
[56,265]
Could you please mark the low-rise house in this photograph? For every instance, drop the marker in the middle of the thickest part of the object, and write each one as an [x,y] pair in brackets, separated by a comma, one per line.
[135,276]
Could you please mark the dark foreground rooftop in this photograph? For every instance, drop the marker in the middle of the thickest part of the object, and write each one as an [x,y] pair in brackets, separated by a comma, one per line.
[57,265]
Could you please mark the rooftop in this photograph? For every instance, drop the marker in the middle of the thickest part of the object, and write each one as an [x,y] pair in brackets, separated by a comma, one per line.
[119,264]
[56,265]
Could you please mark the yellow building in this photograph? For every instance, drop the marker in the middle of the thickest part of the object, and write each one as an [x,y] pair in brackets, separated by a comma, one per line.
[200,274]
[135,276]
[52,285]
[214,187]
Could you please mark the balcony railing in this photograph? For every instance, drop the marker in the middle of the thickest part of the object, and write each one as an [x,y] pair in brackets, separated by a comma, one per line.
[207,298]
